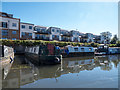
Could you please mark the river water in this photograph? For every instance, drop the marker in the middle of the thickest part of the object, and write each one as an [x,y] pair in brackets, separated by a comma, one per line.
[79,72]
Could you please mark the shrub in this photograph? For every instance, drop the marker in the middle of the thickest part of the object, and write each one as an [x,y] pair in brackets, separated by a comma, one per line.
[59,43]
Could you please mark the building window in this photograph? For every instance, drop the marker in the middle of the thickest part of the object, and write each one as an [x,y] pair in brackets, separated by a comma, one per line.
[30,34]
[4,15]
[57,30]
[57,36]
[53,30]
[4,38]
[13,38]
[23,26]
[37,28]
[62,32]
[4,24]
[4,32]
[38,36]
[23,33]
[53,36]
[34,49]
[43,29]
[14,32]
[14,24]
[30,27]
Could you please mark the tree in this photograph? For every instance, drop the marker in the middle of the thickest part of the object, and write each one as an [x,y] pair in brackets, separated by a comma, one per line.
[114,39]
[118,43]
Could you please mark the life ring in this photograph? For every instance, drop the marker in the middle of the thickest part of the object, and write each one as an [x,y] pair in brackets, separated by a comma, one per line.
[57,59]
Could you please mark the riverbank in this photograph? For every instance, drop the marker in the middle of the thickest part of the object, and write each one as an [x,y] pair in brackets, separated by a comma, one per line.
[58,43]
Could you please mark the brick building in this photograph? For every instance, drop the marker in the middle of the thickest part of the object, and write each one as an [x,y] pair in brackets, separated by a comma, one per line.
[9,26]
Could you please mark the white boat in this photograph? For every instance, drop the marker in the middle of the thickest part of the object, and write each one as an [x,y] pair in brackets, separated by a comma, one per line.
[76,51]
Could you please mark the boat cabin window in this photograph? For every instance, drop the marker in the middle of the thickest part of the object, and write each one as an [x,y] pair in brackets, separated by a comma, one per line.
[82,49]
[76,49]
[31,49]
[34,49]
[105,46]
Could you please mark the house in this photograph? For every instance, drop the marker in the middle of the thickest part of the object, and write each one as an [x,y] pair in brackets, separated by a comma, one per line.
[41,33]
[97,38]
[75,36]
[87,37]
[26,31]
[54,33]
[9,26]
[65,35]
[106,37]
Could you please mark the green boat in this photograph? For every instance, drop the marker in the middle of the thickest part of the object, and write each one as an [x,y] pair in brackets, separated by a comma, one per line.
[43,54]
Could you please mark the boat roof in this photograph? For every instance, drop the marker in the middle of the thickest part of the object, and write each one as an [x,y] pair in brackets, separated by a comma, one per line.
[114,47]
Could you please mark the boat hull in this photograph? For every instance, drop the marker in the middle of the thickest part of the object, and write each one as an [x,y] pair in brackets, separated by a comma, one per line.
[7,56]
[44,59]
[77,54]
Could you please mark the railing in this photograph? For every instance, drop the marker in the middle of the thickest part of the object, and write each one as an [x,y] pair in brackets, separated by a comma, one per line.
[66,34]
[67,40]
[41,38]
[55,38]
[43,32]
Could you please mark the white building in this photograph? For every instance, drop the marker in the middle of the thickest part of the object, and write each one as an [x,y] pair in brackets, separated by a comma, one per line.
[27,31]
[54,33]
[88,37]
[65,35]
[41,33]
[75,36]
[97,38]
[106,37]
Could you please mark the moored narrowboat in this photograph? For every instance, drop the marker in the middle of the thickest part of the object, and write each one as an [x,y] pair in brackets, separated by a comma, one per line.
[106,50]
[44,54]
[77,51]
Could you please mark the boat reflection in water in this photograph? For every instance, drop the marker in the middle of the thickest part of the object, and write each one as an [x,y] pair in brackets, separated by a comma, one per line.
[21,75]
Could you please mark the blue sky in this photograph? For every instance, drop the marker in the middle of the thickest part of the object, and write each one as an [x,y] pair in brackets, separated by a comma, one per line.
[92,17]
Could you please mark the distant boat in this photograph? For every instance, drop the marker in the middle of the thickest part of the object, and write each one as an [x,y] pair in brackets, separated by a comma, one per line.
[106,50]
[44,54]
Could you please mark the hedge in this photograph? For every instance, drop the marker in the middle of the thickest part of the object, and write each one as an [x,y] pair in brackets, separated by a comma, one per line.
[59,43]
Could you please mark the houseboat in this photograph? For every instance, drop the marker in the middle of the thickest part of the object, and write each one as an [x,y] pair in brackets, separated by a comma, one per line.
[76,51]
[43,54]
[106,50]
[6,56]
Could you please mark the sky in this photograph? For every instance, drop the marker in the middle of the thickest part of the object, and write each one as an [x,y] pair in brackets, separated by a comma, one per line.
[86,17]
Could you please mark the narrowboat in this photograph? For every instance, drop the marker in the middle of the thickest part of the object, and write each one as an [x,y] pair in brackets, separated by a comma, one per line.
[44,54]
[106,50]
[6,56]
[76,51]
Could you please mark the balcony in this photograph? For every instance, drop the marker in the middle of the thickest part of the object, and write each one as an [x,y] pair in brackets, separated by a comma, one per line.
[66,34]
[42,32]
[66,39]
[42,38]
[55,38]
